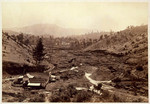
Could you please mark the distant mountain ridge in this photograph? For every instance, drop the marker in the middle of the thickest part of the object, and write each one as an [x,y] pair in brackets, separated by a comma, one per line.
[48,29]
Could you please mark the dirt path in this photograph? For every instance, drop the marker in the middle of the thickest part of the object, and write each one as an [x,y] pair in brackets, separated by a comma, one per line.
[111,89]
[108,87]
[87,75]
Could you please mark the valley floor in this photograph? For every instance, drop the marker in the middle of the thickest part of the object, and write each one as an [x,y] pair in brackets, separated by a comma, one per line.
[77,78]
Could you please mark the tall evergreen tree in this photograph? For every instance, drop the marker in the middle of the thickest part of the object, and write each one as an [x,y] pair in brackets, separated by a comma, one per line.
[38,52]
[20,37]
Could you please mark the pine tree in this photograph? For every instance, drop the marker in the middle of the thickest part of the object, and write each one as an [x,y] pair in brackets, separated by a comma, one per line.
[38,52]
[26,42]
[20,37]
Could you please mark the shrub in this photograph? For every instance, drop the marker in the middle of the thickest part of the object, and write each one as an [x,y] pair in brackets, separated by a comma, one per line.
[83,96]
[117,99]
[60,97]
[71,90]
[70,94]
[63,94]
[116,79]
[139,68]
[105,94]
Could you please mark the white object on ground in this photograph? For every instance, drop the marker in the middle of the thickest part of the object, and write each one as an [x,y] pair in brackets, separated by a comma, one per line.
[96,91]
[34,84]
[47,92]
[81,88]
[30,76]
[92,87]
[52,76]
[90,79]
[74,68]
[20,77]
[63,70]
[87,75]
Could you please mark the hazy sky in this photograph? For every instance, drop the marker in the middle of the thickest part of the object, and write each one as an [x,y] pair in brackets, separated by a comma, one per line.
[89,15]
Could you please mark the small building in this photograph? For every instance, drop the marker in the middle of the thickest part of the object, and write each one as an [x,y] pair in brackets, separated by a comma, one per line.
[30,81]
[37,82]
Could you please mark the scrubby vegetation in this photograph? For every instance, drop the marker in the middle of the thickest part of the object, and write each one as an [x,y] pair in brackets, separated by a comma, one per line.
[118,59]
[70,94]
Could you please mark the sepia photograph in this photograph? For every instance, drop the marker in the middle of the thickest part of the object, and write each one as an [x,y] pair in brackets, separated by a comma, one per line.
[74,51]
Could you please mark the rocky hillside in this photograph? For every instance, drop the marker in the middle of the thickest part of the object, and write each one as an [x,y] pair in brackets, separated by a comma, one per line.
[130,47]
[15,56]
[125,54]
[15,52]
[128,40]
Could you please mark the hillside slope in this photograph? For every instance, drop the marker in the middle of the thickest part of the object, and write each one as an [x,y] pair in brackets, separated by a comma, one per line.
[128,40]
[15,52]
[130,47]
